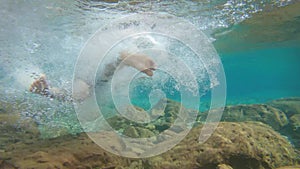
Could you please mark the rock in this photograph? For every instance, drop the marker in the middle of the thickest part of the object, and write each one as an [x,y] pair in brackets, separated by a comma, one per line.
[131,132]
[251,145]
[6,165]
[144,133]
[295,121]
[283,115]
[239,145]
[162,120]
[9,120]
[224,166]
[161,125]
[289,167]
[13,129]
[108,140]
[138,132]
[62,152]
[256,112]
[171,112]
[6,108]
[45,160]
[53,131]
[290,106]
[118,122]
[292,130]
[150,126]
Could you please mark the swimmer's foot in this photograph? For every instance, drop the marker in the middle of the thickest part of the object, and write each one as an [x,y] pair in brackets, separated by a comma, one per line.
[40,86]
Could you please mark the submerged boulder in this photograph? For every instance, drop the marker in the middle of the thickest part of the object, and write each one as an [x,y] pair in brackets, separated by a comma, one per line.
[14,129]
[283,115]
[291,107]
[248,145]
[289,167]
[163,114]
[256,112]
[233,145]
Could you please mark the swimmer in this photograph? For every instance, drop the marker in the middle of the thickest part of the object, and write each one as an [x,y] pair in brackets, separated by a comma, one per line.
[140,62]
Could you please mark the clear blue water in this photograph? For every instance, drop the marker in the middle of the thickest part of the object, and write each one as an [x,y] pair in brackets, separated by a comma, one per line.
[260,75]
[256,75]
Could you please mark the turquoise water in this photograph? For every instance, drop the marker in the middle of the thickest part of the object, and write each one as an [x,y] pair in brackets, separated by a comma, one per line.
[257,76]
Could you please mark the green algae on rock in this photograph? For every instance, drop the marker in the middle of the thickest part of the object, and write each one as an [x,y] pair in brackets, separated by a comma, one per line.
[289,167]
[237,145]
[283,115]
[13,129]
[163,120]
[291,106]
[256,112]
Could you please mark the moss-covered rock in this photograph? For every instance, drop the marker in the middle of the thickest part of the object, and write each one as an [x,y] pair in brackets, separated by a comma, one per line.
[144,133]
[235,145]
[14,129]
[289,167]
[238,145]
[224,166]
[290,106]
[131,132]
[295,121]
[257,112]
[164,114]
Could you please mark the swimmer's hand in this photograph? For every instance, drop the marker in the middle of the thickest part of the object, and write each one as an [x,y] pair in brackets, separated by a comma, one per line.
[138,61]
[40,86]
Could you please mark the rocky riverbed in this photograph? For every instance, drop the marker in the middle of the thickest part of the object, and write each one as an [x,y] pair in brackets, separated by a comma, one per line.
[262,136]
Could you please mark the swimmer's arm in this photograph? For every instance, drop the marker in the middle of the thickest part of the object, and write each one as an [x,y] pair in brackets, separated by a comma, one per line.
[109,70]
[141,62]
